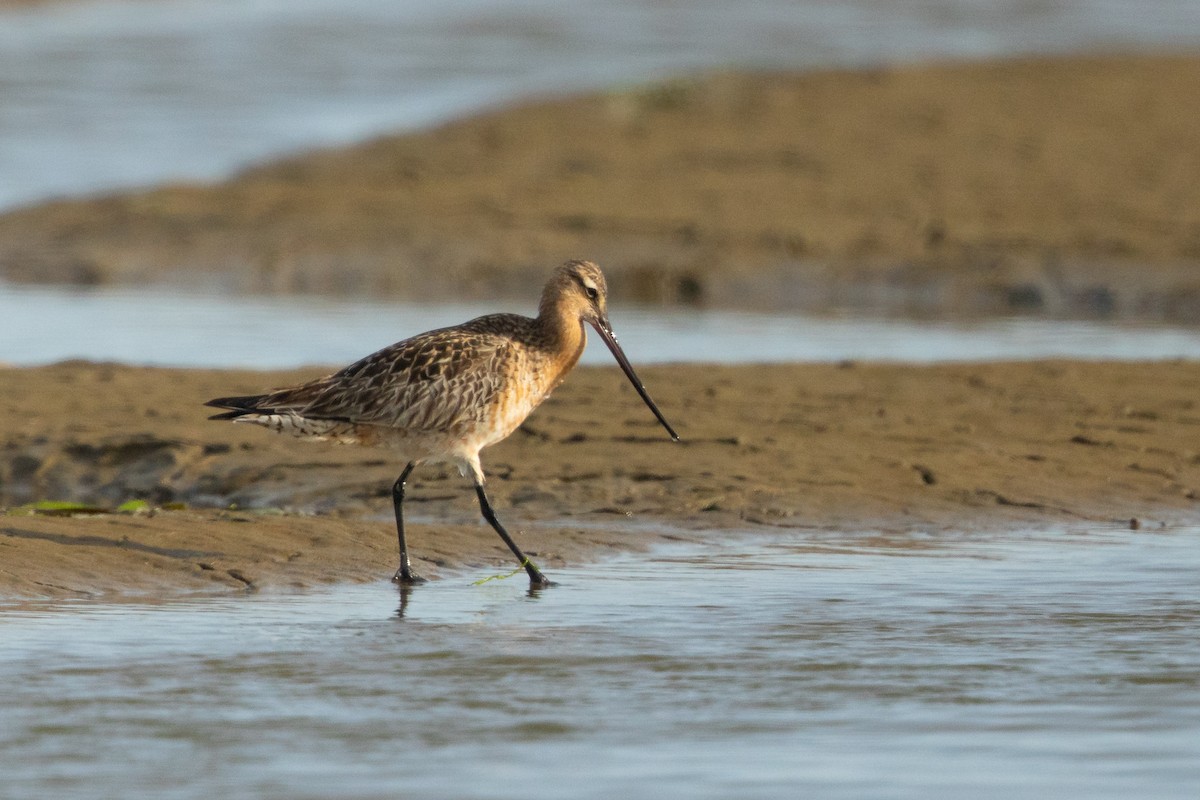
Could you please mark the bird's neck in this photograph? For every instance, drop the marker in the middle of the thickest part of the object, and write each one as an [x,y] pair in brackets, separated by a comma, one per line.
[561,337]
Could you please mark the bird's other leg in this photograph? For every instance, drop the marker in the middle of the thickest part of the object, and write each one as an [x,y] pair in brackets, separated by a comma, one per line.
[536,578]
[404,573]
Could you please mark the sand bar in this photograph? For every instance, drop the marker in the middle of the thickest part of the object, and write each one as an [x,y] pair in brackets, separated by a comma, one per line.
[1064,186]
[854,447]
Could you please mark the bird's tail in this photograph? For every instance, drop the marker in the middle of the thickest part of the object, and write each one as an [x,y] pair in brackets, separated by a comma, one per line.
[239,406]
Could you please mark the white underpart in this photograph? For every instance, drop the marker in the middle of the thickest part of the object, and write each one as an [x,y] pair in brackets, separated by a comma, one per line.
[318,430]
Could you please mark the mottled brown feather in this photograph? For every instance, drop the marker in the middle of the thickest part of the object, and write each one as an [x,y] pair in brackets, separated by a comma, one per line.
[449,392]
[425,383]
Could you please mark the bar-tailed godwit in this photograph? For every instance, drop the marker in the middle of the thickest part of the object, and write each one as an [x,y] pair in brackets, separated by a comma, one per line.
[444,395]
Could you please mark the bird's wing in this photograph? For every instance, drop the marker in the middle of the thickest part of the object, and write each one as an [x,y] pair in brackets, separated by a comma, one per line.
[429,382]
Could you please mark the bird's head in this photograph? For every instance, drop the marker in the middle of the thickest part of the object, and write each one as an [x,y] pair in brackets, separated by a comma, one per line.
[578,291]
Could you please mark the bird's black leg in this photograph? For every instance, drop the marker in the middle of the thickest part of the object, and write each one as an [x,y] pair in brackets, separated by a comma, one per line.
[536,578]
[404,574]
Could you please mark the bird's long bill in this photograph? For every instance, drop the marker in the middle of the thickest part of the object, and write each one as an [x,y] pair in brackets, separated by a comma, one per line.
[605,330]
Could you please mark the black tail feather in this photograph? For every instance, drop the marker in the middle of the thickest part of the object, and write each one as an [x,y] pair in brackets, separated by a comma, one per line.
[241,406]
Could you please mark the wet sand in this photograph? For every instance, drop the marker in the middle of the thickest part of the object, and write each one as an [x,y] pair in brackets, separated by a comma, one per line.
[843,447]
[1062,186]
[1058,186]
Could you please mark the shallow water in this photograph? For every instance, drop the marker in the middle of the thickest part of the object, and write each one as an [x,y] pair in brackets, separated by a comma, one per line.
[1052,664]
[114,93]
[39,325]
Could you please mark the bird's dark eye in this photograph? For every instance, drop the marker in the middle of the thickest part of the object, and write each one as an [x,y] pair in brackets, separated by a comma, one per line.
[591,292]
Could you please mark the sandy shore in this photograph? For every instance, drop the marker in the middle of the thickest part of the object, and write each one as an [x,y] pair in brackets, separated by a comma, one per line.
[1051,186]
[854,447]
[1057,186]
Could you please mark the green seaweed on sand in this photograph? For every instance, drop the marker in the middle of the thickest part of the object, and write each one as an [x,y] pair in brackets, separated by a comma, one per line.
[70,508]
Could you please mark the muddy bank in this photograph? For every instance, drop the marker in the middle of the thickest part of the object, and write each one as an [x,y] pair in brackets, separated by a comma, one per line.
[1063,186]
[880,447]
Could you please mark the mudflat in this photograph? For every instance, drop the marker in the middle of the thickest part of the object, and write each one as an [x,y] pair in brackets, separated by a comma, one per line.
[1054,186]
[865,448]
[1062,186]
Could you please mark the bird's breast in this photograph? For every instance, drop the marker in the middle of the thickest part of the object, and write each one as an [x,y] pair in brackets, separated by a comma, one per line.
[523,391]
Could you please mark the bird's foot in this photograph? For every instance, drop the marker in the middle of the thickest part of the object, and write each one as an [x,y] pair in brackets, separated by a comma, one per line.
[539,581]
[408,577]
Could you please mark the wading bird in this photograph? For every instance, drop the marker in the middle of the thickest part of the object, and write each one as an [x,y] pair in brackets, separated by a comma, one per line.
[444,395]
